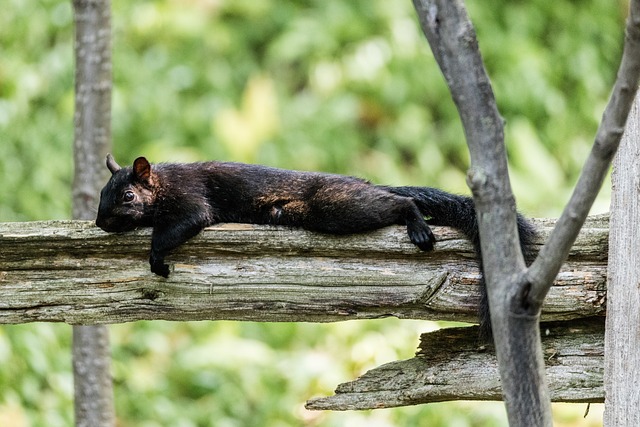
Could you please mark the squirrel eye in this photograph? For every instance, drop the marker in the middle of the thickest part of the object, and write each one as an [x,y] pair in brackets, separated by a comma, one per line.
[128,196]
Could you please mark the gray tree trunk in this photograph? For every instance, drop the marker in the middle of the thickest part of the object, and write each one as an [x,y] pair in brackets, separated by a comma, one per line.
[91,356]
[622,336]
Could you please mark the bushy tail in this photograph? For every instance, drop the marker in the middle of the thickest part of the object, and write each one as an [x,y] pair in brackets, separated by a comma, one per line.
[452,210]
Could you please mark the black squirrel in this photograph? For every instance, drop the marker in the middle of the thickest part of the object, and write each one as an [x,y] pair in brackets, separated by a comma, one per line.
[179,200]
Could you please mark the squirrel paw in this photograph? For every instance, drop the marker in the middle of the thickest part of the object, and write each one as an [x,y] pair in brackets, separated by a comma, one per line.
[159,267]
[420,235]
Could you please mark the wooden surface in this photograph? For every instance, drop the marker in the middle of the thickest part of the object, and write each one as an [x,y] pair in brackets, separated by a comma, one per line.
[450,365]
[71,271]
[622,340]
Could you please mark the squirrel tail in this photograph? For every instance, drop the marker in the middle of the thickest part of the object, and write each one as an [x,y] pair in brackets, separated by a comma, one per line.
[452,210]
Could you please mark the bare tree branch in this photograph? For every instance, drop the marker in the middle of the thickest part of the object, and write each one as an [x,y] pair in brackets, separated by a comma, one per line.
[515,293]
[555,251]
[514,322]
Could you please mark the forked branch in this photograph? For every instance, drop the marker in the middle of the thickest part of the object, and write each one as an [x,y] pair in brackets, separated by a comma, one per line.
[516,293]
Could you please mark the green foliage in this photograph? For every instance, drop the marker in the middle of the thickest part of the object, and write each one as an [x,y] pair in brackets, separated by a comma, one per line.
[332,85]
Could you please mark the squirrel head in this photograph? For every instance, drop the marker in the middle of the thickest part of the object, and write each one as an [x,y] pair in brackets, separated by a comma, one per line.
[128,200]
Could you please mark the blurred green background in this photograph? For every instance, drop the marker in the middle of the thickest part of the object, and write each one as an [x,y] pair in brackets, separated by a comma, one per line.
[330,85]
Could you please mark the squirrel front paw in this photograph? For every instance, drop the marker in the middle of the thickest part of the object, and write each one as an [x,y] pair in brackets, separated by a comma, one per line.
[159,267]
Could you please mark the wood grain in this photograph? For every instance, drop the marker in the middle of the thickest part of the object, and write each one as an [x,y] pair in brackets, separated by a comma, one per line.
[71,271]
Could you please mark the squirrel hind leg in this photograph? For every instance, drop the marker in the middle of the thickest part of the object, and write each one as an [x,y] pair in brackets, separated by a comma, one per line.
[420,234]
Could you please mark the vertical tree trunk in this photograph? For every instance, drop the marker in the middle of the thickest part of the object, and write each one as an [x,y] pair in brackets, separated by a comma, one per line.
[514,320]
[91,356]
[622,336]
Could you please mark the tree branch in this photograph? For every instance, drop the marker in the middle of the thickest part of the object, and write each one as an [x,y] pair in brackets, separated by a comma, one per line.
[516,293]
[514,321]
[554,252]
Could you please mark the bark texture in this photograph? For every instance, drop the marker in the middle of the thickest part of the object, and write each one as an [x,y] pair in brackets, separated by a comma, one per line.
[622,339]
[71,271]
[514,320]
[92,139]
[516,293]
[450,365]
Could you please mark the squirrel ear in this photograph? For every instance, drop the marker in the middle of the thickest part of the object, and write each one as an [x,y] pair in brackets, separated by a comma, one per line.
[112,165]
[142,169]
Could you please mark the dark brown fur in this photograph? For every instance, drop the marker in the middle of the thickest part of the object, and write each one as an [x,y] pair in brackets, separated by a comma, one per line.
[179,200]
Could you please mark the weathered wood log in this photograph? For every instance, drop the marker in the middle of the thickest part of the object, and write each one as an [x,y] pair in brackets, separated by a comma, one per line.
[450,365]
[71,271]
[622,340]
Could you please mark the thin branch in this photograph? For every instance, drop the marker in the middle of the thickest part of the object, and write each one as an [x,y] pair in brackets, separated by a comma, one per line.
[555,251]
